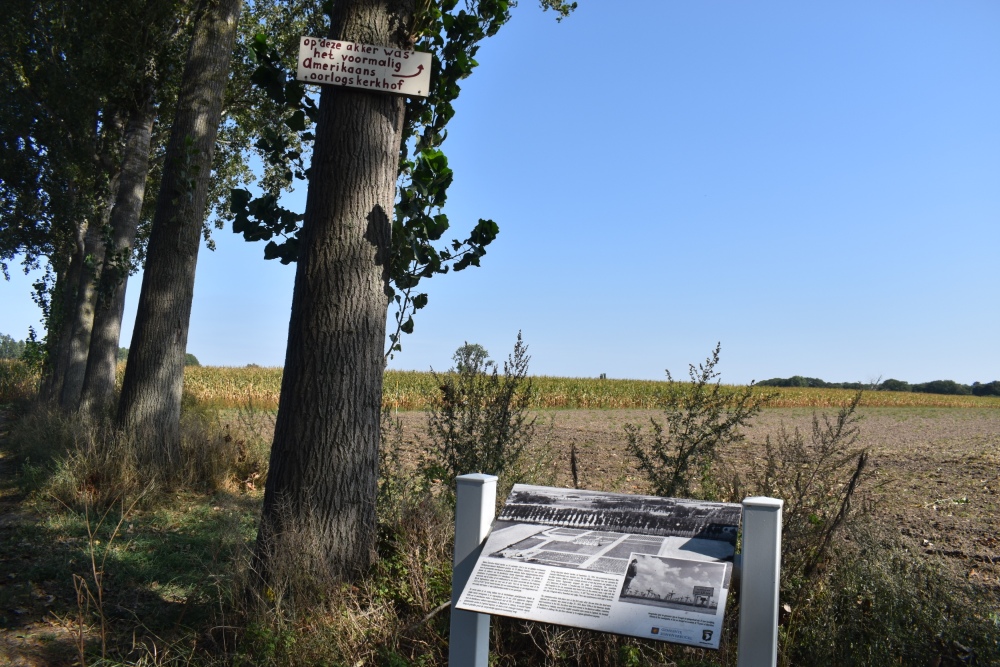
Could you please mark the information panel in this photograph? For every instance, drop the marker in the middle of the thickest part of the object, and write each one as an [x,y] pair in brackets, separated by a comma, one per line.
[379,68]
[657,568]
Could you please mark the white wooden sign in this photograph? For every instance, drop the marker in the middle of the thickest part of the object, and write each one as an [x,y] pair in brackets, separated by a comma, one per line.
[377,68]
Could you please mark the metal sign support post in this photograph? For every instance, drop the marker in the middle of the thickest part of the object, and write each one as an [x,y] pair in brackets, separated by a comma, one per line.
[758,638]
[475,507]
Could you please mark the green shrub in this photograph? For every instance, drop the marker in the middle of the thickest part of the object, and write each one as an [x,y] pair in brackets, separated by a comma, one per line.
[479,421]
[699,421]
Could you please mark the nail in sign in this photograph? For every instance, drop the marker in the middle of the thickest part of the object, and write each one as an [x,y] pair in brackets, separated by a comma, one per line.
[376,68]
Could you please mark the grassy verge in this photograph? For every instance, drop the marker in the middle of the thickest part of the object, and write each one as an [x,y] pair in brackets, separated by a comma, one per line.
[137,576]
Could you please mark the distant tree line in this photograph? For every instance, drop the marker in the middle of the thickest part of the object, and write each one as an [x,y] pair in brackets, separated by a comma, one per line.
[934,387]
[10,348]
[189,359]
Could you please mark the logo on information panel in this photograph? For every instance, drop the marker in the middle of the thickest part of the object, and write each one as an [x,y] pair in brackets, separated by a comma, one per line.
[706,635]
[655,631]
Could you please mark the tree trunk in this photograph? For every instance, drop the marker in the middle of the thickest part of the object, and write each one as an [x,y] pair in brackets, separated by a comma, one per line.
[324,460]
[150,404]
[84,304]
[59,319]
[102,361]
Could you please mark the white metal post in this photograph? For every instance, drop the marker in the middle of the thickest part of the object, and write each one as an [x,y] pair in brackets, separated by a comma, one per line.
[758,640]
[475,507]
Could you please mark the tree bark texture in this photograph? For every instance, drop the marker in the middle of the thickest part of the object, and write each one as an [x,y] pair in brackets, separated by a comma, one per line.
[150,404]
[102,361]
[322,480]
[85,303]
[69,273]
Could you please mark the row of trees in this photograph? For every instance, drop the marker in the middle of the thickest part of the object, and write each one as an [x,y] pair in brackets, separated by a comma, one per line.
[10,348]
[107,101]
[103,102]
[934,387]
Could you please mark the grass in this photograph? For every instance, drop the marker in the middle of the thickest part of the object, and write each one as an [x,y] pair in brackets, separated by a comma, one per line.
[164,575]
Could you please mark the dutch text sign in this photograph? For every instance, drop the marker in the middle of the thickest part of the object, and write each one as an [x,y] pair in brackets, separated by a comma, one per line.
[377,68]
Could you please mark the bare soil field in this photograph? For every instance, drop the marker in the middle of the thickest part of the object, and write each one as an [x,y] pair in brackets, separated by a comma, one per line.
[933,471]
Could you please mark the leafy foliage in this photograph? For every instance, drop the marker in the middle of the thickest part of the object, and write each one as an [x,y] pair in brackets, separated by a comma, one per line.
[697,423]
[949,387]
[10,348]
[452,36]
[940,387]
[986,389]
[471,356]
[816,383]
[883,603]
[894,385]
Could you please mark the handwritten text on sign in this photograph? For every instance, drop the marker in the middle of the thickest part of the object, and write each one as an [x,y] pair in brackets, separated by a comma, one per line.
[362,66]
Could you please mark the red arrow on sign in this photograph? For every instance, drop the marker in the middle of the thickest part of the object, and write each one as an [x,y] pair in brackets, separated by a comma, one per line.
[420,68]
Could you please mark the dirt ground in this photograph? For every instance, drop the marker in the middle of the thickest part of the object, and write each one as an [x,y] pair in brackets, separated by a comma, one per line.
[933,471]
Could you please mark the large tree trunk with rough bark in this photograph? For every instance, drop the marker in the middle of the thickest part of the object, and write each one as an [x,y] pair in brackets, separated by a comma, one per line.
[150,404]
[319,500]
[99,382]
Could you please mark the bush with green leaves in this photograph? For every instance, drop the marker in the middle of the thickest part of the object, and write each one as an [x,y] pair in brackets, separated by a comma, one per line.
[700,419]
[479,421]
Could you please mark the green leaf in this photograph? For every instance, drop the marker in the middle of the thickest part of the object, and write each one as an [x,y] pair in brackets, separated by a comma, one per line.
[296,122]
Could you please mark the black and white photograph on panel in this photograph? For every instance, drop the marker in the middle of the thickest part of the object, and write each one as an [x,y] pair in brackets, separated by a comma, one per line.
[597,531]
[621,513]
[686,585]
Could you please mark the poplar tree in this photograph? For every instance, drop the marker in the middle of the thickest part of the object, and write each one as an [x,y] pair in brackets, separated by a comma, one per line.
[362,246]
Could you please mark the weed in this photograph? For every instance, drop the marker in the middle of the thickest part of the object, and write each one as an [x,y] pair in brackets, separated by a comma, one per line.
[479,421]
[817,478]
[90,588]
[700,420]
[883,603]
[19,381]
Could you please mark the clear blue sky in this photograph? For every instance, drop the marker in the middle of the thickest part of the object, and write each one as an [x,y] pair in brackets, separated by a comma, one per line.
[815,185]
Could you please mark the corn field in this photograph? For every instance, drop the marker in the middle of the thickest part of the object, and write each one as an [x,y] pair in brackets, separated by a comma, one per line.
[232,387]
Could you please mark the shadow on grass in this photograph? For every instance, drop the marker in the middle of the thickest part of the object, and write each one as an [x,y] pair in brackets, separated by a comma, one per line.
[165,574]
